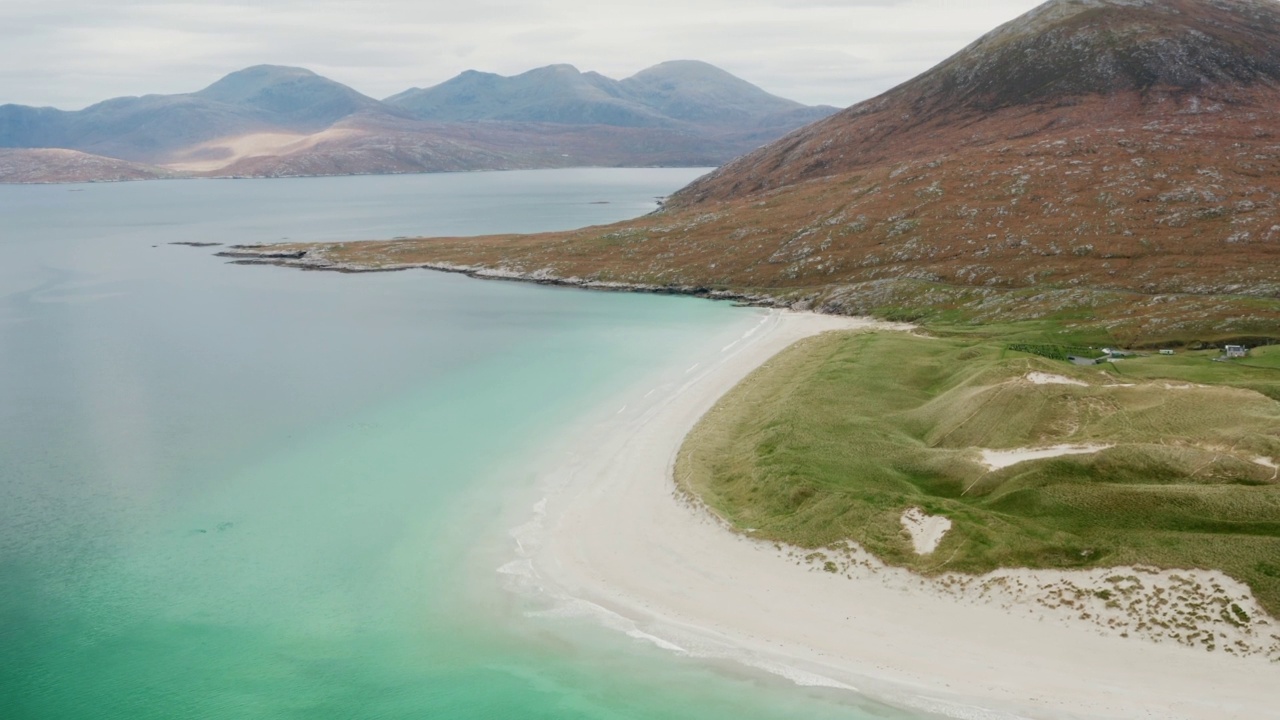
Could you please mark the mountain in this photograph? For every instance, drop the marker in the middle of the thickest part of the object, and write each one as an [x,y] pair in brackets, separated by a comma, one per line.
[671,94]
[1094,161]
[275,121]
[290,97]
[1055,67]
[554,94]
[697,92]
[149,128]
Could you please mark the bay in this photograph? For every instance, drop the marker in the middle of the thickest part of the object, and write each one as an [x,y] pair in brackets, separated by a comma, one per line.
[249,492]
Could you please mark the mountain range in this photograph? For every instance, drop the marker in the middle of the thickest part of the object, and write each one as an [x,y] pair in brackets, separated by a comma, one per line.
[270,121]
[1113,162]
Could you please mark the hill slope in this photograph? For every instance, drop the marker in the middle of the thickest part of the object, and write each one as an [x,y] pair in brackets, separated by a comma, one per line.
[1097,161]
[64,166]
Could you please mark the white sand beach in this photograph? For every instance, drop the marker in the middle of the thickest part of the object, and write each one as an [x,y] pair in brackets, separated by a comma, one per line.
[613,535]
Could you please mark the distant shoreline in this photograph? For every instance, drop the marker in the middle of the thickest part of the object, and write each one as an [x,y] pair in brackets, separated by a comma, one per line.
[622,538]
[286,255]
[197,176]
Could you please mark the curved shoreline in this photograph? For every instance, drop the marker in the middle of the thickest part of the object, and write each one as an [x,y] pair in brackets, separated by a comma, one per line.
[615,535]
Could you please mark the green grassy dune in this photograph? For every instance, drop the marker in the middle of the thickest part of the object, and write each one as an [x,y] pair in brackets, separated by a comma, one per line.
[837,436]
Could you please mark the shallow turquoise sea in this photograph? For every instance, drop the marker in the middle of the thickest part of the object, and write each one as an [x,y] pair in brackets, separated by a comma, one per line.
[250,492]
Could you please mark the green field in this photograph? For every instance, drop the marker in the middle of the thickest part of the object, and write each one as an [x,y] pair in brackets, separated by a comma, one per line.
[837,436]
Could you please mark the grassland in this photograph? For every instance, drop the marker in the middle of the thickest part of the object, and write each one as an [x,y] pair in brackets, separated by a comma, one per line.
[834,439]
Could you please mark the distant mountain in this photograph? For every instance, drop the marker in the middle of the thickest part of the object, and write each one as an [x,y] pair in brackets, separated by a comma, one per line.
[150,128]
[697,92]
[272,120]
[671,94]
[554,94]
[290,97]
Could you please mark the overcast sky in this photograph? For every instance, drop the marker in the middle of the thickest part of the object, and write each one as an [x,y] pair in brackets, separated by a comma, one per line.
[71,53]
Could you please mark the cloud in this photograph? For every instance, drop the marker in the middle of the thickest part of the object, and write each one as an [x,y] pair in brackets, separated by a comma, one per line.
[71,53]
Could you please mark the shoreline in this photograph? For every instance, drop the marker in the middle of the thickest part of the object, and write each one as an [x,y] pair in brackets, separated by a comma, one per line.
[314,261]
[616,537]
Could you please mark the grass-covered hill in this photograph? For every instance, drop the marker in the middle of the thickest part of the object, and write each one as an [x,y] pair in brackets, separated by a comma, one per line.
[838,436]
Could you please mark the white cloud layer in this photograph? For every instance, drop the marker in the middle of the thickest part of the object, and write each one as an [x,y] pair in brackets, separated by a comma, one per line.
[71,53]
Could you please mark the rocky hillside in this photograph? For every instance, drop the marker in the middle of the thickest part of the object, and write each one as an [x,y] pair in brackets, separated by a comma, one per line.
[1095,160]
[1047,72]
[66,166]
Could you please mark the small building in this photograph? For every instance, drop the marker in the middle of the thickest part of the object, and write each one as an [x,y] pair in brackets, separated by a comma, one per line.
[1236,351]
[1166,352]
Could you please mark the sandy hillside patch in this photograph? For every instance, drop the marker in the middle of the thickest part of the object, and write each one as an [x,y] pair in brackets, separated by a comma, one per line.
[926,530]
[1269,463]
[998,459]
[224,152]
[1043,378]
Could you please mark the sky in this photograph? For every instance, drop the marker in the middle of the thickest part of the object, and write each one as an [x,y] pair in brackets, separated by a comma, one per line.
[72,53]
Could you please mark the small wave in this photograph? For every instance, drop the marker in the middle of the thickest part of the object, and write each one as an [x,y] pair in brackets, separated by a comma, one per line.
[577,608]
[518,568]
[956,710]
[665,645]
[803,678]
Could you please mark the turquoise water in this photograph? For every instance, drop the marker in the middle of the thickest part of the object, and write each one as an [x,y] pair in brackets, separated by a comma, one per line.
[248,492]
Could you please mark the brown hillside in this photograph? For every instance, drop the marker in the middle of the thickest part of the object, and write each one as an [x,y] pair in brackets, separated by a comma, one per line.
[53,165]
[1149,58]
[1108,159]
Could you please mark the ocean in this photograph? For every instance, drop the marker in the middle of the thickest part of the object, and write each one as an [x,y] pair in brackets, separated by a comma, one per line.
[252,492]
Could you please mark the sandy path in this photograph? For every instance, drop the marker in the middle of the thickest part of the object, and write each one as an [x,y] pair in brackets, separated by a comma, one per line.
[615,536]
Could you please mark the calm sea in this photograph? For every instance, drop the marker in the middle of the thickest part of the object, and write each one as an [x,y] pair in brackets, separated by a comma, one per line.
[249,492]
